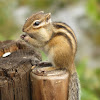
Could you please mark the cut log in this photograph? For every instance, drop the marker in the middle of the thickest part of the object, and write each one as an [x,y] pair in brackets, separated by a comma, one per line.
[15,70]
[49,85]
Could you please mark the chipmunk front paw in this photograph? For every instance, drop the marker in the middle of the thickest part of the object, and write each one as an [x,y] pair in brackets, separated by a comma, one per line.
[25,37]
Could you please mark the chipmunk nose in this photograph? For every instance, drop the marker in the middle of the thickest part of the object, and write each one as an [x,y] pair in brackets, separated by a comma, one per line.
[24,30]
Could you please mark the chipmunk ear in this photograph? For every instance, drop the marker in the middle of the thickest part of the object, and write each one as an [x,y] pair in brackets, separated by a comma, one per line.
[48,16]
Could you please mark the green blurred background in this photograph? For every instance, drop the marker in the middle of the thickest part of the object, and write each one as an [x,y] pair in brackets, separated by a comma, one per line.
[84,18]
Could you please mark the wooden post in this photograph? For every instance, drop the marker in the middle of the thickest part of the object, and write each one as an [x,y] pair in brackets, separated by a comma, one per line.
[15,70]
[49,85]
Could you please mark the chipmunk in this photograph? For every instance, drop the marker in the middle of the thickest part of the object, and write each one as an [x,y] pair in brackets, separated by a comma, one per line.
[58,41]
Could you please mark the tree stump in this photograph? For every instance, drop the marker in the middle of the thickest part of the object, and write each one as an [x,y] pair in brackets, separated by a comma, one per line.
[49,85]
[15,70]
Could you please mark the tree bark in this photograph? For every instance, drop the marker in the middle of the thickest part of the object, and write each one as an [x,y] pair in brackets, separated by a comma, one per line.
[15,70]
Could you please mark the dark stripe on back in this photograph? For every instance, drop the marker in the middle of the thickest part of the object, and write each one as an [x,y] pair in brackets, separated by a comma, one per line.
[63,34]
[63,23]
[61,26]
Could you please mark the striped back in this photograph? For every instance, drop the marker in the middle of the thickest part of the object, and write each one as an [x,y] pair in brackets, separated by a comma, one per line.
[65,30]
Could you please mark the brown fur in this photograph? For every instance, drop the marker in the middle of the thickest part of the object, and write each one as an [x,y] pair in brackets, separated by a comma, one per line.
[59,43]
[60,48]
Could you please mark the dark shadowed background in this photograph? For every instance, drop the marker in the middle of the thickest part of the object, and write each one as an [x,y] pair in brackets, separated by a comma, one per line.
[84,18]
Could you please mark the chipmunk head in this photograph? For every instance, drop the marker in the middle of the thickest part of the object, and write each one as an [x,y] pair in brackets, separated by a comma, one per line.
[37,21]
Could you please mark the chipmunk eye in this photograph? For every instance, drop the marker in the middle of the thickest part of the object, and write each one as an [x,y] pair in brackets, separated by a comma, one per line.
[36,23]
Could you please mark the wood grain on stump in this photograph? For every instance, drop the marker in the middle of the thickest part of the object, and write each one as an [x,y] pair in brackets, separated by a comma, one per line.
[51,85]
[15,70]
